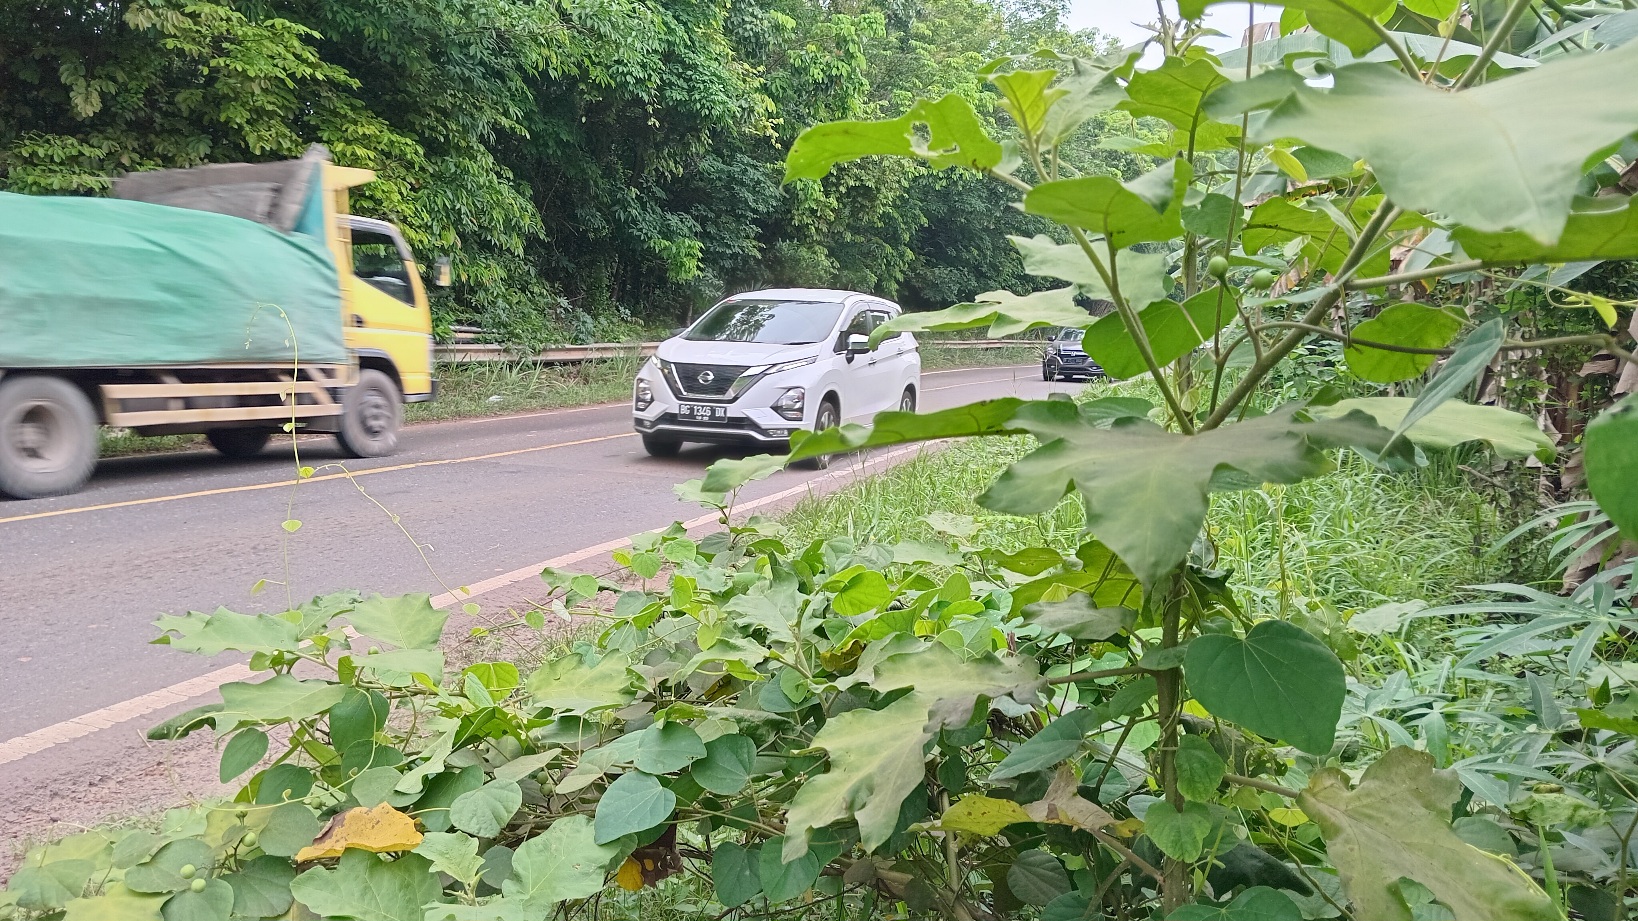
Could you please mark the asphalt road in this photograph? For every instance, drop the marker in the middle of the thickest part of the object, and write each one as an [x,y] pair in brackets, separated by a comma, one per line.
[83,577]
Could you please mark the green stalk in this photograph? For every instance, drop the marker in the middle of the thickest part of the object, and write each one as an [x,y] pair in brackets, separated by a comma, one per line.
[1493,43]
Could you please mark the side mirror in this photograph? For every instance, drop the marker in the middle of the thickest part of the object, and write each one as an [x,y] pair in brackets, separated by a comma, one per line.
[441,274]
[858,344]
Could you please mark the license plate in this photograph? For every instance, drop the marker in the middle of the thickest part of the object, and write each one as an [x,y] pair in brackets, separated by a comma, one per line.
[702,412]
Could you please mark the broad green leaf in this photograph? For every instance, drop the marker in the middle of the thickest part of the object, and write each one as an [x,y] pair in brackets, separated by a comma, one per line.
[634,802]
[1461,369]
[116,903]
[186,722]
[1080,617]
[405,621]
[955,138]
[1597,719]
[49,886]
[1058,741]
[1598,228]
[1199,769]
[982,815]
[783,880]
[1325,242]
[1037,877]
[734,874]
[567,685]
[357,718]
[452,853]
[163,871]
[986,417]
[261,887]
[1468,155]
[282,698]
[875,761]
[486,810]
[1258,903]
[1453,423]
[727,765]
[1005,313]
[364,887]
[1089,88]
[1174,91]
[1211,217]
[668,748]
[1144,210]
[1173,329]
[247,747]
[398,667]
[1412,325]
[1611,458]
[1396,824]
[212,903]
[290,828]
[1278,682]
[1179,834]
[730,473]
[214,634]
[1344,20]
[951,685]
[1144,487]
[862,594]
[1143,278]
[1026,95]
[561,863]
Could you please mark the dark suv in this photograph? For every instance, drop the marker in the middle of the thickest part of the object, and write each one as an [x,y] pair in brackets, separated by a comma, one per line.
[1064,358]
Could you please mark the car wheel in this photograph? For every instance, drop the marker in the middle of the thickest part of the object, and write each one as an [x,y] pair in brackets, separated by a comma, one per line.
[371,412]
[907,402]
[660,446]
[828,417]
[1046,371]
[239,443]
[48,437]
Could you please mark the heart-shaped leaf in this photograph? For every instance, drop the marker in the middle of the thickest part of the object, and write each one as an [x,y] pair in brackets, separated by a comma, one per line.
[1278,682]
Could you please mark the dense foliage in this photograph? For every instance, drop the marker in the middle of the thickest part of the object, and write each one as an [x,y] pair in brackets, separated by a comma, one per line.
[1071,729]
[588,164]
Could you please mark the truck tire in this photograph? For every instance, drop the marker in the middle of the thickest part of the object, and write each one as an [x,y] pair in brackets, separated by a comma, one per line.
[48,437]
[238,443]
[371,413]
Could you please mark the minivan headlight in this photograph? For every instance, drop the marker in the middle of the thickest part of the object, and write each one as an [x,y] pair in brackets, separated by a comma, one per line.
[791,404]
[782,366]
[642,395]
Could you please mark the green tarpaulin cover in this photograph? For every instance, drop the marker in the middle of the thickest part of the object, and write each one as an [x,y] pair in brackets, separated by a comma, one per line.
[98,282]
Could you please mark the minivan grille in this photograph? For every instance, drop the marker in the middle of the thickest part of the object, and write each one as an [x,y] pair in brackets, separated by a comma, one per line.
[718,379]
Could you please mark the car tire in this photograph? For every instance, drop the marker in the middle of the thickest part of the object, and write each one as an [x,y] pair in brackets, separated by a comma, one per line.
[907,401]
[1046,372]
[829,416]
[371,414]
[239,443]
[660,446]
[48,437]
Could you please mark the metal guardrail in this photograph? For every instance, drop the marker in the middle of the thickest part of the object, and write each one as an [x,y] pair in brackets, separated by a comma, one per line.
[458,351]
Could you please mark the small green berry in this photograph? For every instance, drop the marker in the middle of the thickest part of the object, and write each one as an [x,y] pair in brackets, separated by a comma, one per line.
[241,813]
[188,870]
[1217,267]
[197,885]
[1264,279]
[249,840]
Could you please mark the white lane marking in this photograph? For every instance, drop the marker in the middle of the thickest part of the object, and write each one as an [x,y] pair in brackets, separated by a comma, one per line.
[20,747]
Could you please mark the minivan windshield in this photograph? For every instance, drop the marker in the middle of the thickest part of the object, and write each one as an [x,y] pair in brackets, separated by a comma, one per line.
[767,321]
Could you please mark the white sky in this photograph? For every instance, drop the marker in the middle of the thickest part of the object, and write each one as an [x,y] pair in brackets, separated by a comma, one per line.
[1116,17]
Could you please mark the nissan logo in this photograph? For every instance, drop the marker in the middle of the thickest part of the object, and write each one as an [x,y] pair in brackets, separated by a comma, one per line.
[706,377]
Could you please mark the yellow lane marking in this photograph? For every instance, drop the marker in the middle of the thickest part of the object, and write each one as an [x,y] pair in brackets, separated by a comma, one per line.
[316,479]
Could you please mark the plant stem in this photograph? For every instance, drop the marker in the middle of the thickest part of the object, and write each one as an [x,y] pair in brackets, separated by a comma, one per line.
[1412,69]
[1493,43]
[1100,673]
[1265,785]
[1175,889]
[1385,214]
[1435,271]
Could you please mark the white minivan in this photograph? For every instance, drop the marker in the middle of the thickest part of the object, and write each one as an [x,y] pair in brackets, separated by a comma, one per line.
[760,365]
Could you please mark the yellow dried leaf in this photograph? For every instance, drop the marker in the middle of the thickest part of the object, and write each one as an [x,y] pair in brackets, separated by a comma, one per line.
[379,830]
[1063,805]
[1289,816]
[1126,828]
[982,815]
[630,877]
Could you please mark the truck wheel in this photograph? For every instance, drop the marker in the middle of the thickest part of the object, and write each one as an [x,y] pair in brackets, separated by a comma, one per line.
[370,415]
[238,443]
[661,446]
[48,437]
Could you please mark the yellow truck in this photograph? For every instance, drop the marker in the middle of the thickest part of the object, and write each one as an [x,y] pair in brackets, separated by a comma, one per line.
[232,300]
